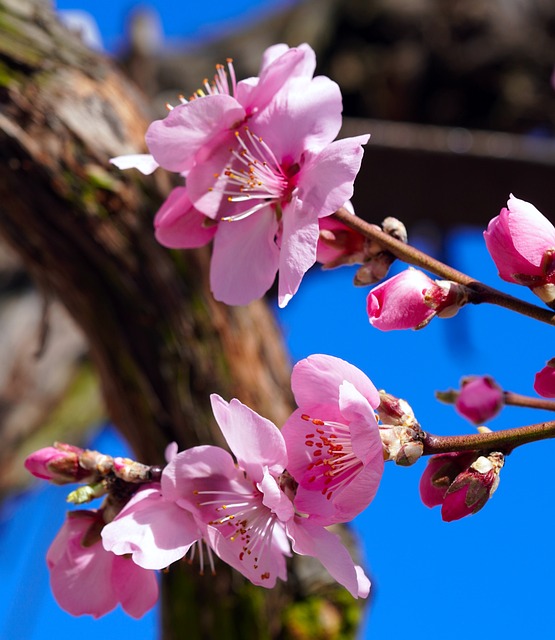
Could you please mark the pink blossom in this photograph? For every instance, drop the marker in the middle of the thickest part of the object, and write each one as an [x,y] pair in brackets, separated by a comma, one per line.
[480,399]
[292,188]
[544,382]
[333,440]
[59,464]
[260,159]
[238,508]
[521,242]
[411,299]
[86,579]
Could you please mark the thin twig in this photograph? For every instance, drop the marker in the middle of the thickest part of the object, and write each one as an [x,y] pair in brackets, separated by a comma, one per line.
[479,292]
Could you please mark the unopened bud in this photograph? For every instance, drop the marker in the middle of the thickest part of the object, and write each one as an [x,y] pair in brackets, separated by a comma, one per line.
[59,464]
[544,381]
[440,473]
[472,488]
[411,299]
[480,399]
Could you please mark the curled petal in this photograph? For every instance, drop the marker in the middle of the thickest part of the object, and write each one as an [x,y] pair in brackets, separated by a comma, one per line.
[316,380]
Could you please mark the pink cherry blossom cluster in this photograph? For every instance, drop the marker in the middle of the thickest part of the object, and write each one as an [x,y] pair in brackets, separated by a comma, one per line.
[261,174]
[262,168]
[274,497]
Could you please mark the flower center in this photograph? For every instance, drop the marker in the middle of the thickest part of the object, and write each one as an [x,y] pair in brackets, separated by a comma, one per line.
[256,176]
[333,463]
[242,518]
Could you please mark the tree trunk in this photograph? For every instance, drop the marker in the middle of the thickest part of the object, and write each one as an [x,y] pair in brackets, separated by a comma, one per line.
[158,340]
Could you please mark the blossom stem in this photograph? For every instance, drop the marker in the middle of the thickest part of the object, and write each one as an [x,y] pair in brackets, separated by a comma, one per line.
[478,291]
[518,400]
[504,441]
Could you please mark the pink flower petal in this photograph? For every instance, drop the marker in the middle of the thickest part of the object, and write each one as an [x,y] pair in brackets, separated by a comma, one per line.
[298,249]
[245,258]
[274,498]
[193,465]
[328,176]
[312,540]
[87,579]
[179,225]
[263,569]
[192,128]
[288,125]
[156,532]
[137,588]
[255,441]
[204,188]
[317,379]
[279,65]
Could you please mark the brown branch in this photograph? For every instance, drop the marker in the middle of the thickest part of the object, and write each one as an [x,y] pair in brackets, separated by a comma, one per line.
[479,292]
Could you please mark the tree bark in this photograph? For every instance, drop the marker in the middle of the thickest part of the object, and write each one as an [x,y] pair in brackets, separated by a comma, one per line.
[158,340]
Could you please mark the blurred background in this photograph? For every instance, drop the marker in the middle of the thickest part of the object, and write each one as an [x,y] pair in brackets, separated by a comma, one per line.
[459,101]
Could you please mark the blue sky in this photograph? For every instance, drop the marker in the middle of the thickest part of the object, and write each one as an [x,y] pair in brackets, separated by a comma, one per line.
[484,574]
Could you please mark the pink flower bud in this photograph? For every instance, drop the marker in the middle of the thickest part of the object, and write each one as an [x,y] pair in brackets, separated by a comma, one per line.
[521,242]
[411,299]
[480,399]
[544,382]
[440,473]
[472,488]
[59,464]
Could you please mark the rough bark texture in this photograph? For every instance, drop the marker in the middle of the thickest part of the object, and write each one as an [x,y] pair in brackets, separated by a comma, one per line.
[158,340]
